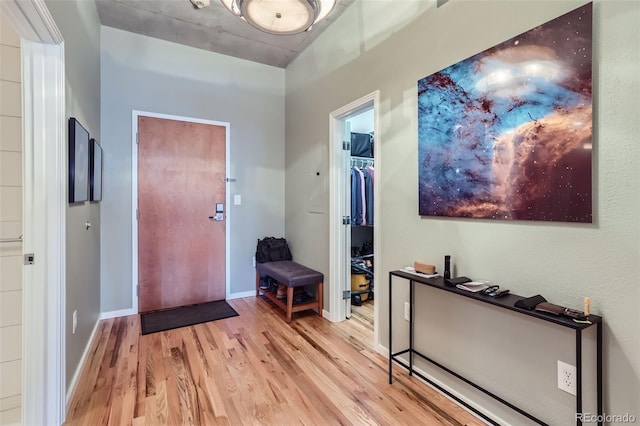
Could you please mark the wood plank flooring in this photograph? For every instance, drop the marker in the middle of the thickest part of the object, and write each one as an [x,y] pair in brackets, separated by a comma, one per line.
[249,370]
[365,314]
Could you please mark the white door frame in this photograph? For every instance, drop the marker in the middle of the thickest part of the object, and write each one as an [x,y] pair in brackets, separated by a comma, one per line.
[44,208]
[337,185]
[134,193]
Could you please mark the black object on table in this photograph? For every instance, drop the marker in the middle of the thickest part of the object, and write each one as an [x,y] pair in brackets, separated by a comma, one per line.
[507,302]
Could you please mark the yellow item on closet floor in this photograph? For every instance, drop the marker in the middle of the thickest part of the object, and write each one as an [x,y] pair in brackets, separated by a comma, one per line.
[359,282]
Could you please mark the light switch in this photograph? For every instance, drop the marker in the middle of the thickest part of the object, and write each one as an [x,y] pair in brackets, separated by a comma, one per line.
[237,199]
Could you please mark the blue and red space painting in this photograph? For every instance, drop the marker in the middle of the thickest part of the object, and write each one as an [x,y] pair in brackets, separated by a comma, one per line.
[507,134]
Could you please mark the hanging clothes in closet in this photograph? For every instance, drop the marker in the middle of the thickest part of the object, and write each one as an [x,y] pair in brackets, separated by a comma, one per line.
[362,184]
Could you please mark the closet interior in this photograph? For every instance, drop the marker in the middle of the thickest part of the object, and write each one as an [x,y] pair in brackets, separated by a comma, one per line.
[362,211]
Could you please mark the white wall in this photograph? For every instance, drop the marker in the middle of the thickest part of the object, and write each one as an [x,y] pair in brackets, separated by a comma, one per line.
[146,74]
[10,225]
[389,46]
[78,22]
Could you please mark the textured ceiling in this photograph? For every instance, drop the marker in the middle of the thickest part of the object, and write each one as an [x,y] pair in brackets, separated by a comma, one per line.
[212,28]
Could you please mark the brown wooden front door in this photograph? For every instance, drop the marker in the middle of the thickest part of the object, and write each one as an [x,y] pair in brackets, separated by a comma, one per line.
[181,178]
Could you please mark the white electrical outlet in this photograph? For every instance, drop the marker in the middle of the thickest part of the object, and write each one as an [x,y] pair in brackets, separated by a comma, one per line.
[567,377]
[75,321]
[254,261]
[407,311]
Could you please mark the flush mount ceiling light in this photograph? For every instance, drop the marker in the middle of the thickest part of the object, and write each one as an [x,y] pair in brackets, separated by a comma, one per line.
[282,17]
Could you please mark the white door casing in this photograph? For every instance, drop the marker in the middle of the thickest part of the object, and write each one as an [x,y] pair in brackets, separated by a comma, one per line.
[44,203]
[134,193]
[346,206]
[339,235]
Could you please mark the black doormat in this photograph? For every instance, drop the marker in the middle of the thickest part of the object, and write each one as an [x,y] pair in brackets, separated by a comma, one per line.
[184,316]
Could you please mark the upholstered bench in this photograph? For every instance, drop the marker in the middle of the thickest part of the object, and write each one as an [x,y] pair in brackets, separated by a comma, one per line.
[291,274]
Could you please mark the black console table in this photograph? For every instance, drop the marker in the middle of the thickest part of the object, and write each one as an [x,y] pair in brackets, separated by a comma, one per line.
[506,302]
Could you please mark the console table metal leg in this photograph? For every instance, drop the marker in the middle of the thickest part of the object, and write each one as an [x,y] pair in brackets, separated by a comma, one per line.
[438,283]
[411,285]
[578,377]
[390,335]
[599,372]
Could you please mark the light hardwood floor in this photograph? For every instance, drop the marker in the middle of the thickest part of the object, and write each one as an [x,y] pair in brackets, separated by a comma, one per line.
[250,369]
[365,314]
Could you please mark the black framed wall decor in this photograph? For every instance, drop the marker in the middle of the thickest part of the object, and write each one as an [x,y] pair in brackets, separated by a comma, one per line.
[95,171]
[78,162]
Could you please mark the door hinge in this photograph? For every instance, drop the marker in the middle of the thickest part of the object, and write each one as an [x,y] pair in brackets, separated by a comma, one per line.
[137,138]
[346,294]
[137,214]
[346,146]
[346,220]
[228,180]
[138,290]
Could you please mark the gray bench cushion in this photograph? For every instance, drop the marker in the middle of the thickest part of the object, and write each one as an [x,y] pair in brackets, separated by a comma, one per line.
[290,273]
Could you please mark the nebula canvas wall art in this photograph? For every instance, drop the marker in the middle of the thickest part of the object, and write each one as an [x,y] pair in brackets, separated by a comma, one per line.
[507,134]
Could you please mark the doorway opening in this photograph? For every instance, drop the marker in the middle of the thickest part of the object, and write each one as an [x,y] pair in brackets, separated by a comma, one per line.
[354,197]
[361,136]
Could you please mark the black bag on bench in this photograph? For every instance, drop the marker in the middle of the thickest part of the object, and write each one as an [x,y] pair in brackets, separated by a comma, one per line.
[271,249]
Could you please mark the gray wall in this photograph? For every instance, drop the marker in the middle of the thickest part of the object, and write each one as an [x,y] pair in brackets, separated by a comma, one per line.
[80,27]
[146,74]
[389,46]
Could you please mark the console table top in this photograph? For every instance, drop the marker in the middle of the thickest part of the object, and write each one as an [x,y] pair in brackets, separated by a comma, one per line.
[506,302]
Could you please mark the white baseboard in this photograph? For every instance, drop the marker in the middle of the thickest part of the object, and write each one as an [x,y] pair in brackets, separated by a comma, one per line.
[242,294]
[385,351]
[83,359]
[131,311]
[326,314]
[459,395]
[116,314]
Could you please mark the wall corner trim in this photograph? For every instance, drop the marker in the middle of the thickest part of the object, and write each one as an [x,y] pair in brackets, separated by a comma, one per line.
[33,21]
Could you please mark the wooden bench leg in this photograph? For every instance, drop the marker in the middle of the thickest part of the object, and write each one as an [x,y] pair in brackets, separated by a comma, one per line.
[320,294]
[289,303]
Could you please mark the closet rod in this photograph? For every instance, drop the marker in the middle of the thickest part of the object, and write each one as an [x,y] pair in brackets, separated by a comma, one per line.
[362,161]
